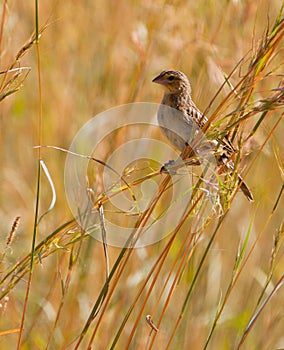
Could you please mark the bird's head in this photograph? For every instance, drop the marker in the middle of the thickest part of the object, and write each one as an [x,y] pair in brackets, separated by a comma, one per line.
[173,81]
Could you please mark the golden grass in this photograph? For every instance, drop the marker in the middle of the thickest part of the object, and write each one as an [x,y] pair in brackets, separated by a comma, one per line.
[217,284]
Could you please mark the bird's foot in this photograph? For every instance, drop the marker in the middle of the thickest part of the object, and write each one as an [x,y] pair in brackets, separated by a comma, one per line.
[168,168]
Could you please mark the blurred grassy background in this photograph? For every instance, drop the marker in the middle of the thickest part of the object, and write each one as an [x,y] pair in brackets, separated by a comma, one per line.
[96,55]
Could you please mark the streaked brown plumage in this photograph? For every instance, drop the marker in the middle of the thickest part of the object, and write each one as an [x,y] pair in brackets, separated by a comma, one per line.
[179,127]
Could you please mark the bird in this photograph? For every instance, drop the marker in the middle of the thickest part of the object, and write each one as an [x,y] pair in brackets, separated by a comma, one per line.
[180,123]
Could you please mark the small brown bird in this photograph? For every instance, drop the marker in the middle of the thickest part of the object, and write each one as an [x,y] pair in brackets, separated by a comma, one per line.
[180,128]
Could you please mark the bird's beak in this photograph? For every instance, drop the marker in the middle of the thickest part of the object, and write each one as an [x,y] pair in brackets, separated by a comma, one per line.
[159,79]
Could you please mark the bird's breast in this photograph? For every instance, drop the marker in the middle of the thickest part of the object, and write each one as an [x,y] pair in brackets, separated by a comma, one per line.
[175,126]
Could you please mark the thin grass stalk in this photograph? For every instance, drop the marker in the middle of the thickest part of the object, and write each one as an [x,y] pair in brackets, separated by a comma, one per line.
[157,266]
[104,289]
[226,81]
[36,22]
[104,238]
[38,183]
[102,198]
[278,237]
[31,260]
[230,286]
[248,82]
[142,221]
[196,275]
[186,254]
[233,282]
[258,152]
[23,263]
[254,244]
[36,316]
[256,315]
[138,318]
[101,297]
[187,213]
[4,9]
[65,286]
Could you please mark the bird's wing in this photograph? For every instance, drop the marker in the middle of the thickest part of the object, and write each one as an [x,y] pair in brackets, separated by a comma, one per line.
[193,112]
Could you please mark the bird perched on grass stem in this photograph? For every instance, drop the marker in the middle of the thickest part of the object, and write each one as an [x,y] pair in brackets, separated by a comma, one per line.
[179,127]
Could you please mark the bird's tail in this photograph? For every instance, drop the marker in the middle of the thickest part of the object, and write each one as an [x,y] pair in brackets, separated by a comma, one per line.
[245,189]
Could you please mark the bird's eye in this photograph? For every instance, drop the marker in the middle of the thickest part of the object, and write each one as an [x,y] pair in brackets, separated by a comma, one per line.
[171,78]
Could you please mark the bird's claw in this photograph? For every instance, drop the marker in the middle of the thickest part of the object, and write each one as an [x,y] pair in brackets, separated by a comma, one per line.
[168,168]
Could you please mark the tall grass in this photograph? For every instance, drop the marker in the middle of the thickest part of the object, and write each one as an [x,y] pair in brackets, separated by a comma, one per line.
[212,283]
